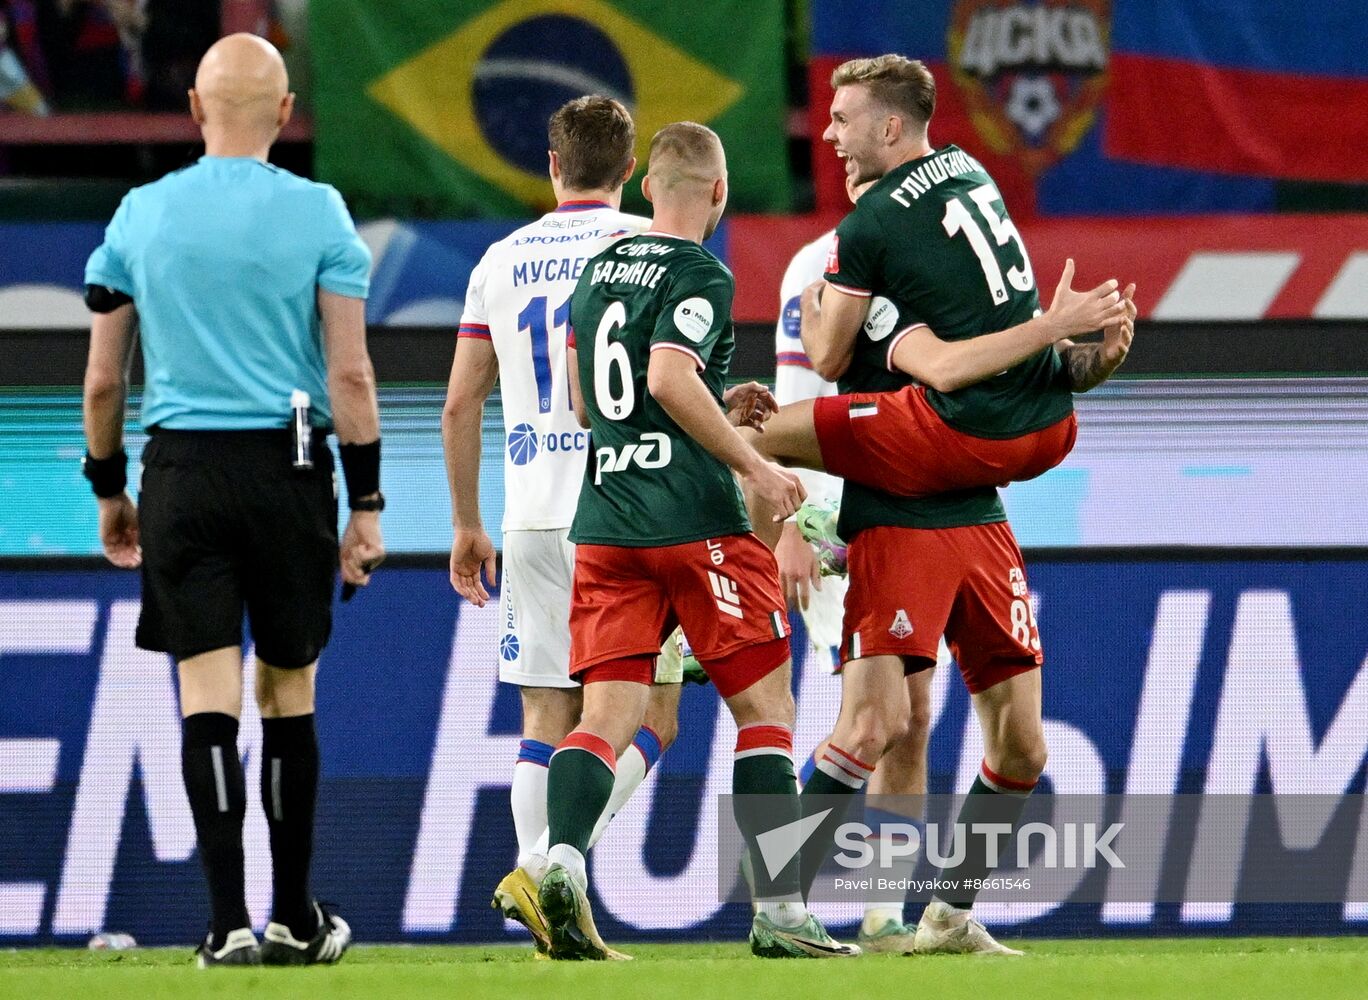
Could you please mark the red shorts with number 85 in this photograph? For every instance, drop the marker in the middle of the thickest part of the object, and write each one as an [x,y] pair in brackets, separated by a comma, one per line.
[910,586]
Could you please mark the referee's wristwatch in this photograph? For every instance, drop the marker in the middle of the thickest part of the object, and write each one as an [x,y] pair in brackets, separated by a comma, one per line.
[374,503]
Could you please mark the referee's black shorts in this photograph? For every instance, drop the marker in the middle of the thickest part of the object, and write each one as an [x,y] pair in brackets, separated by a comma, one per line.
[226,524]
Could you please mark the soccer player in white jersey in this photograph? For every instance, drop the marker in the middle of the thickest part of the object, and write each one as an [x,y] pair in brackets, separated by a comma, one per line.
[901,771]
[514,328]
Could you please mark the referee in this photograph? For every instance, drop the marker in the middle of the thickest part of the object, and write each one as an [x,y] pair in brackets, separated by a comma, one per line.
[249,286]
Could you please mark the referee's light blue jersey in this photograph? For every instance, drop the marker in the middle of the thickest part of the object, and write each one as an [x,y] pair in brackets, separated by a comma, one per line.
[224,260]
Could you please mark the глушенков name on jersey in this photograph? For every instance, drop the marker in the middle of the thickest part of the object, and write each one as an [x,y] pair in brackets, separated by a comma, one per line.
[935,170]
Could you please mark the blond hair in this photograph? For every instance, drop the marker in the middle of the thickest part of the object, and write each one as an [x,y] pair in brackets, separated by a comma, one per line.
[902,85]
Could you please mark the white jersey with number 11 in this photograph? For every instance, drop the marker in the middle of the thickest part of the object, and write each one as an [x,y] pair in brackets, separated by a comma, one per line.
[519,299]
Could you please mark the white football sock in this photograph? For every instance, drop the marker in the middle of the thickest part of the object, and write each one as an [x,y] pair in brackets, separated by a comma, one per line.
[876,914]
[528,799]
[631,772]
[940,911]
[786,913]
[572,861]
[536,863]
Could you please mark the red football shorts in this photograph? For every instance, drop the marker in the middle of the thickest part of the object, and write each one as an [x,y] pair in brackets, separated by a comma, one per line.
[895,442]
[910,586]
[723,591]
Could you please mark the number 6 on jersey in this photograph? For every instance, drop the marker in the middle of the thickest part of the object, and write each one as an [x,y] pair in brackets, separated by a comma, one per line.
[610,358]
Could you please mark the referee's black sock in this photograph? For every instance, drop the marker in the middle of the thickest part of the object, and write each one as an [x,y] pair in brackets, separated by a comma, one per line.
[289,789]
[214,784]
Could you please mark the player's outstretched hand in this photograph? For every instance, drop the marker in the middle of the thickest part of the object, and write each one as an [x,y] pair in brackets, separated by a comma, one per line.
[798,567]
[362,549]
[119,531]
[779,488]
[750,405]
[1117,336]
[1073,313]
[472,550]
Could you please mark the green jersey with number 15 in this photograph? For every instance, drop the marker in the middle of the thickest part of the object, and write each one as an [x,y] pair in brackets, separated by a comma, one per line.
[934,239]
[647,482]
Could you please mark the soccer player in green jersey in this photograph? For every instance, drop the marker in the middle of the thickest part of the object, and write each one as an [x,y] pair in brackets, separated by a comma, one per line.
[928,261]
[929,279]
[662,538]
[523,284]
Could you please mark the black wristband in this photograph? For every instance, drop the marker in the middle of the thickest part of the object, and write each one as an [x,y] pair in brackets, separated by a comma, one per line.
[101,299]
[108,476]
[361,468]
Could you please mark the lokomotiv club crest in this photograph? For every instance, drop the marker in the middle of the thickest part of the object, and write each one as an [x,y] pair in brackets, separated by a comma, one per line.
[1031,73]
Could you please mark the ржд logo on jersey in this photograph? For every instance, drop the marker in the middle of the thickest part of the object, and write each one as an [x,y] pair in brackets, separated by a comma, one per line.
[651,452]
[1032,74]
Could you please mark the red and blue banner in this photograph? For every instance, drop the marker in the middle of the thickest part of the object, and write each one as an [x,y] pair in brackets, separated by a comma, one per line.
[1127,107]
[1272,90]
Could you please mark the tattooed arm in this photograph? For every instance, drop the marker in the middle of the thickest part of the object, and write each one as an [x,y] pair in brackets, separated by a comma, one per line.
[1086,366]
[1089,365]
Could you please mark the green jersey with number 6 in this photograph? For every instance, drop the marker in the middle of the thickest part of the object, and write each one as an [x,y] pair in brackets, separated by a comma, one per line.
[933,237]
[647,482]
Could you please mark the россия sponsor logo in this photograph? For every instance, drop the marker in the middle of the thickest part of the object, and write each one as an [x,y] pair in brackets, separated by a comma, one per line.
[524,443]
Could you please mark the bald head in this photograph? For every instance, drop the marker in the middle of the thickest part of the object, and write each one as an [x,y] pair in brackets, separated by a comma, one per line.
[241,85]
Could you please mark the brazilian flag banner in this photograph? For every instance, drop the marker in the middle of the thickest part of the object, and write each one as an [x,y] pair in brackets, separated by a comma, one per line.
[439,107]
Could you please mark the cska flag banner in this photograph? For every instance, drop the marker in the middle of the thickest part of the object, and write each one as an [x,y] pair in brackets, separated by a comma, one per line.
[439,107]
[1122,107]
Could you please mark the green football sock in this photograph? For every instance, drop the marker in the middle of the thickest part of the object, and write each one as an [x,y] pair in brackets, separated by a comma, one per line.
[578,785]
[987,805]
[836,780]
[764,767]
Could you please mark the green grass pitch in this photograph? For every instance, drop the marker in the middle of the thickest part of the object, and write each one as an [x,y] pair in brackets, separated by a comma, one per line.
[1210,969]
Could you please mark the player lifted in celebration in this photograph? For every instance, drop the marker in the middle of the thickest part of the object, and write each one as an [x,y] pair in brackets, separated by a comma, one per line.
[902,770]
[514,328]
[985,413]
[662,537]
[930,246]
